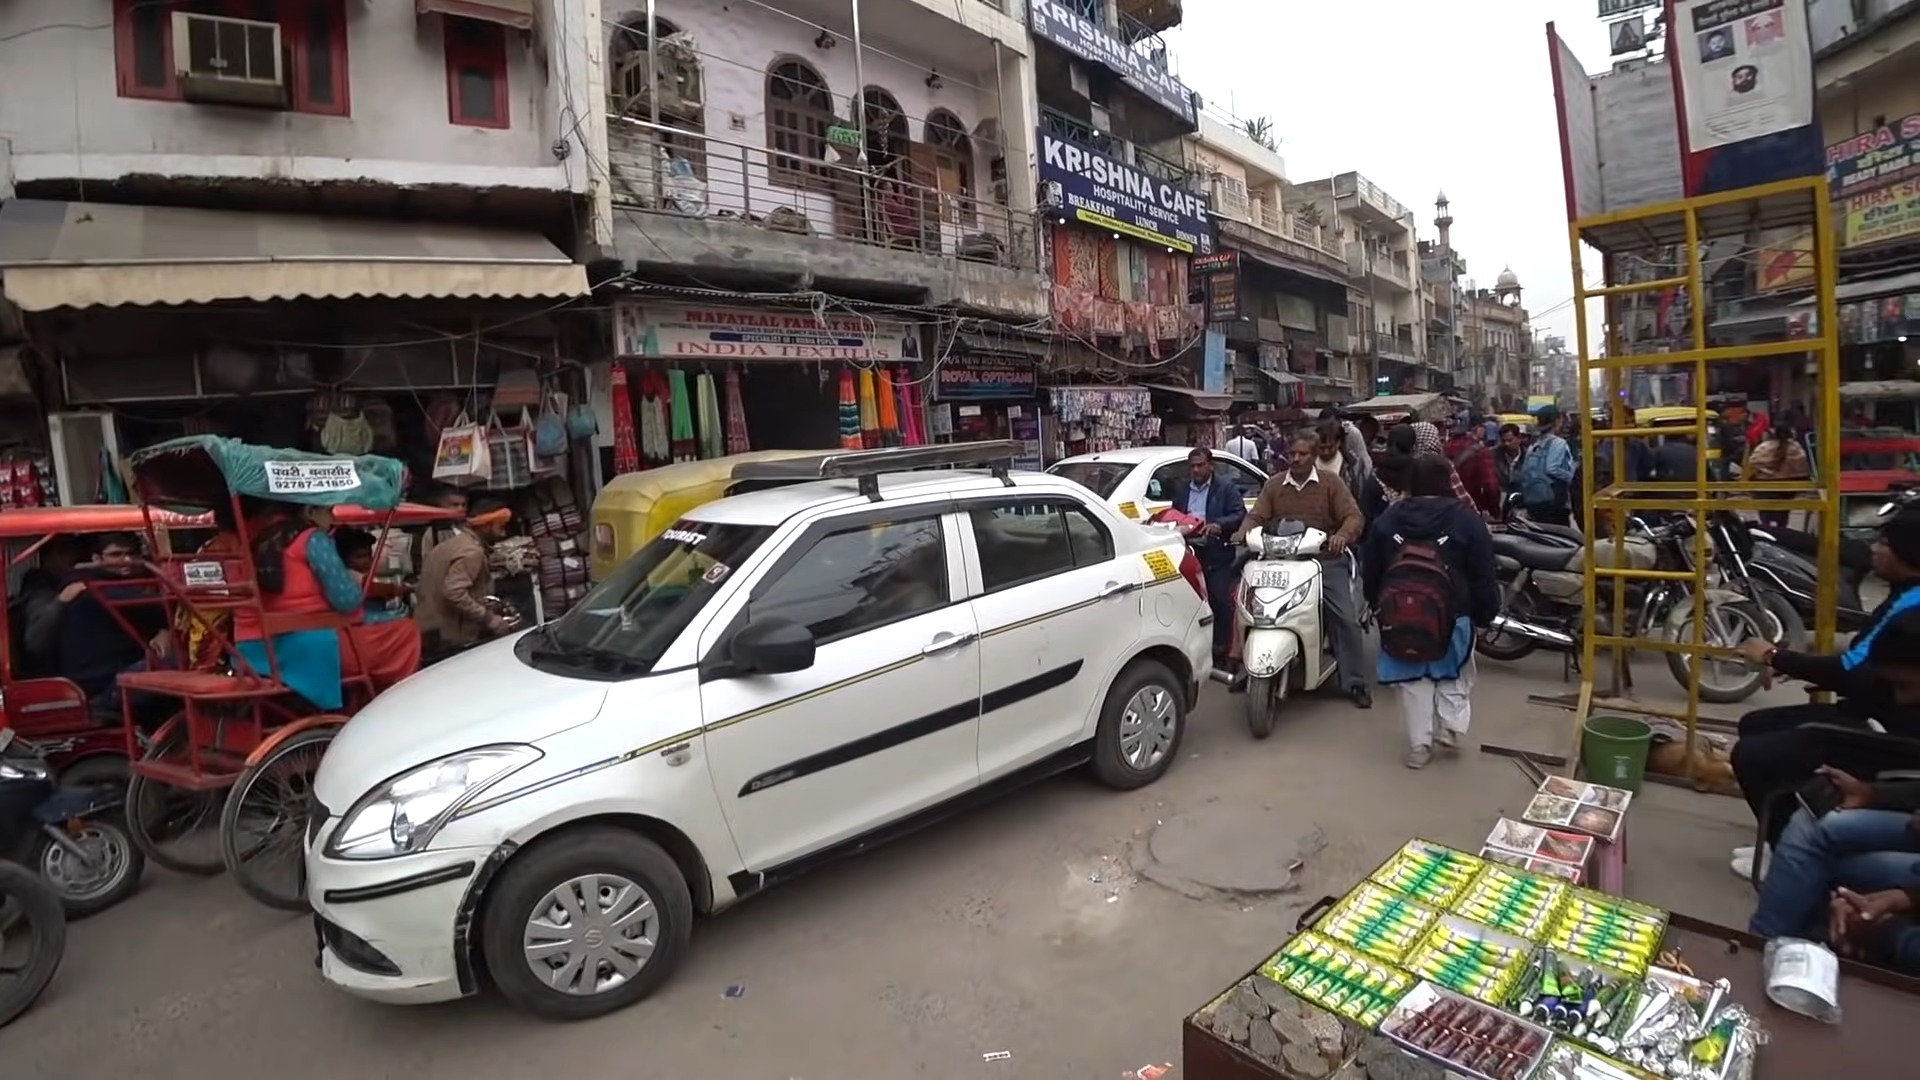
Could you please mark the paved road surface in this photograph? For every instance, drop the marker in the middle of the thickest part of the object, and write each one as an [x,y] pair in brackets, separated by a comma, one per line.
[1023,927]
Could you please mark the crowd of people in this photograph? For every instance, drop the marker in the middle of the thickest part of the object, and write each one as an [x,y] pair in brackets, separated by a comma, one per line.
[90,611]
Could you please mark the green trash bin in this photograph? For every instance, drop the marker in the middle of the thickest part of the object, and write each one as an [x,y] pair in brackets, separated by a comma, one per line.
[1614,750]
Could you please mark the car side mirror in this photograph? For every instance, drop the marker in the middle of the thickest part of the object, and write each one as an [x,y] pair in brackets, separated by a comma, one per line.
[772,646]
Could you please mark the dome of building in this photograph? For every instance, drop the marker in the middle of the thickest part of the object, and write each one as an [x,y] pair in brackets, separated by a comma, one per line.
[1507,279]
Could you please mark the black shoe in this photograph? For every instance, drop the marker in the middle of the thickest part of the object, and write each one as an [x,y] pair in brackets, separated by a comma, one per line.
[1361,698]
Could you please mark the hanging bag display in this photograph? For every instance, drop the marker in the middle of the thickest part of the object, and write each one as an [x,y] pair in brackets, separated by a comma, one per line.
[464,455]
[510,454]
[550,430]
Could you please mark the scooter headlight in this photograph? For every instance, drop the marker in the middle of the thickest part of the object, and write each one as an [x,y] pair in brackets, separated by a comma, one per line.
[1263,607]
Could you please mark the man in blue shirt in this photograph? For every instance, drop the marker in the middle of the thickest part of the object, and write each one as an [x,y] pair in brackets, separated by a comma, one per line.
[1546,475]
[1221,505]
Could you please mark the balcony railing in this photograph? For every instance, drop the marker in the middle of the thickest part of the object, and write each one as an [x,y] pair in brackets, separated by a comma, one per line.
[662,170]
[1171,171]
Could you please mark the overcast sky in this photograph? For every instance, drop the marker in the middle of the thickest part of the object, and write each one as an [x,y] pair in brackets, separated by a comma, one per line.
[1419,98]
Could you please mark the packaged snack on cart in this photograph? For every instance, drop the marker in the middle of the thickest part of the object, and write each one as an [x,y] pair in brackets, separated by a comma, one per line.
[1608,930]
[1511,901]
[1469,959]
[1571,1061]
[1337,978]
[1464,1036]
[1574,998]
[1380,923]
[1428,872]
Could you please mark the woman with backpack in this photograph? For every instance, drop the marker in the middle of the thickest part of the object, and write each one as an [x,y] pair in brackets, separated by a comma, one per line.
[1427,570]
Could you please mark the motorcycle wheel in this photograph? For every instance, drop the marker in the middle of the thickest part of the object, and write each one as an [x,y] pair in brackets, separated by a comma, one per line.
[90,889]
[1746,620]
[1259,704]
[1500,645]
[33,938]
[1787,628]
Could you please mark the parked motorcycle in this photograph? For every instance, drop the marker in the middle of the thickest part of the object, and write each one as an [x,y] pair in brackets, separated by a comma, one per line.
[33,939]
[1733,550]
[1285,647]
[1788,561]
[1542,597]
[75,839]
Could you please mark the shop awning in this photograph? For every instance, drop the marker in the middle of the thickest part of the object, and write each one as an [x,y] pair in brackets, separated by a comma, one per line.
[82,255]
[1281,378]
[514,13]
[1203,400]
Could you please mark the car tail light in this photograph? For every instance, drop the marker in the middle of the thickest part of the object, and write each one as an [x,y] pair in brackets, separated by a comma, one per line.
[1190,569]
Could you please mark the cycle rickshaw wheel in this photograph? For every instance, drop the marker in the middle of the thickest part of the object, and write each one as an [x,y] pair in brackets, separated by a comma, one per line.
[174,827]
[263,830]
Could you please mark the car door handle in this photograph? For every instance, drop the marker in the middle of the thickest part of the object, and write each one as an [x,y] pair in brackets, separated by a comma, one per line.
[948,644]
[1115,588]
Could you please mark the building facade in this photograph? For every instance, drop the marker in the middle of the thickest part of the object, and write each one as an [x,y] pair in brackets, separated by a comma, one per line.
[1279,297]
[319,222]
[1497,346]
[1380,239]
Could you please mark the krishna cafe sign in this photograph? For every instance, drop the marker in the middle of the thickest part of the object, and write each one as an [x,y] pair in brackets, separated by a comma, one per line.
[689,332]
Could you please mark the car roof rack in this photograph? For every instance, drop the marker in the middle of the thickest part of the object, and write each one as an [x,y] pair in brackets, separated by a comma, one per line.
[867,466]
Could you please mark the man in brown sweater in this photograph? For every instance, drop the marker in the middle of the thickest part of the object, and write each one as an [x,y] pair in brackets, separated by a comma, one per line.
[1319,499]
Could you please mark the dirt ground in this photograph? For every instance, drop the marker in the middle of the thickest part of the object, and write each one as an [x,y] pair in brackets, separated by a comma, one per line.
[1067,926]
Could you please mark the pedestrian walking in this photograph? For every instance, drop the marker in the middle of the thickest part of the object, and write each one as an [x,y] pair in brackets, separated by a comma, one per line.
[1427,571]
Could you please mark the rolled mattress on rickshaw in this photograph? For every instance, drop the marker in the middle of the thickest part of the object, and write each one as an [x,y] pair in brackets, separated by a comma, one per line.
[203,471]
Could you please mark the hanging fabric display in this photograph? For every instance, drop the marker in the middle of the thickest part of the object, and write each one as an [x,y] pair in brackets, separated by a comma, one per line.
[684,444]
[737,441]
[911,424]
[712,438]
[889,408]
[869,411]
[849,411]
[1105,418]
[652,431]
[626,442]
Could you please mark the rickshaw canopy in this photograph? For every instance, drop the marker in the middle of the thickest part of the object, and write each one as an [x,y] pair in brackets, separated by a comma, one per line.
[202,471]
[31,523]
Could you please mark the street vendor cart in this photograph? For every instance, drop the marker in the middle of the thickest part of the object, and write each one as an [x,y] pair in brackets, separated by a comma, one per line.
[1444,964]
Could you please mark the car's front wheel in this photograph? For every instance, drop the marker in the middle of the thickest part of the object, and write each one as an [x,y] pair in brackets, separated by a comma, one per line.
[1141,724]
[585,923]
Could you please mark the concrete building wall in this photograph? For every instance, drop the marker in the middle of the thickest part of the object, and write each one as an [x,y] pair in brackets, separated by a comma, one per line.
[65,118]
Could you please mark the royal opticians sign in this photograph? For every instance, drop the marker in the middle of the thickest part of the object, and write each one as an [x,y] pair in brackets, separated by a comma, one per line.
[1110,194]
[1060,24]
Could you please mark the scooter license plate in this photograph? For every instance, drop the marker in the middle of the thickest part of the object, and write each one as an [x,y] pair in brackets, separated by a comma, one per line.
[1267,578]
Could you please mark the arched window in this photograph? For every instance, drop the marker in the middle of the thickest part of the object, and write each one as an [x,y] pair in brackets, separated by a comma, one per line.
[889,137]
[799,112]
[953,165]
[634,91]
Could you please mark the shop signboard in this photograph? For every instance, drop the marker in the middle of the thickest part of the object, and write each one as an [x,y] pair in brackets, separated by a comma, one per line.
[1873,159]
[1061,24]
[1107,193]
[1610,8]
[1219,275]
[976,379]
[1784,260]
[1882,215]
[1213,372]
[643,328]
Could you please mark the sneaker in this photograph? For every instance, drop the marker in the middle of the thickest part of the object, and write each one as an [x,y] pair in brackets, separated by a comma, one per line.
[1361,698]
[1742,865]
[1448,741]
[1418,757]
[1745,851]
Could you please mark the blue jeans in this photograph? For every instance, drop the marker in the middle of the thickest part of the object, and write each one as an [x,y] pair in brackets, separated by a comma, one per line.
[1863,850]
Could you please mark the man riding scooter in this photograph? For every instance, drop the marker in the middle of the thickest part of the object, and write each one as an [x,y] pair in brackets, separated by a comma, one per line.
[1319,499]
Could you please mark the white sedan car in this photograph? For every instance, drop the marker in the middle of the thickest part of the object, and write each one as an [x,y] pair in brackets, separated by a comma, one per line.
[782,678]
[1139,481]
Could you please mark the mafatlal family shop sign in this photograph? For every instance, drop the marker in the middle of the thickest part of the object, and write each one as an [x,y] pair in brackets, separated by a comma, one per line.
[695,332]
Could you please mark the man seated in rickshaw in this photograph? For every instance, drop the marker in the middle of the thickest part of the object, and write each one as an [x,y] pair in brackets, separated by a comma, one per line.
[301,572]
[34,615]
[93,646]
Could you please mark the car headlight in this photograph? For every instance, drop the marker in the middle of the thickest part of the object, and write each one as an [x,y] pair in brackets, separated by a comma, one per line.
[402,815]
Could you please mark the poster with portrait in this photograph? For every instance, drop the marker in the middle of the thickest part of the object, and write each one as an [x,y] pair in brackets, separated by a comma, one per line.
[1746,69]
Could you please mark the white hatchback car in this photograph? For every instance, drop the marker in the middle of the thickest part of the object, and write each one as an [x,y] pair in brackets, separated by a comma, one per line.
[782,678]
[1139,481]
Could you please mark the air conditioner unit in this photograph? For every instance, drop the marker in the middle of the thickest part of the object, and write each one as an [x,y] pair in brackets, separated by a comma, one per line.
[228,61]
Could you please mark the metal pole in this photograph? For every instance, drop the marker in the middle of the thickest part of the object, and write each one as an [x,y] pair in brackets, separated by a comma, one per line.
[867,221]
[653,142]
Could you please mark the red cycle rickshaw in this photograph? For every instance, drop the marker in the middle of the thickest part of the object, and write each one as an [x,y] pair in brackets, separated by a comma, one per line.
[241,739]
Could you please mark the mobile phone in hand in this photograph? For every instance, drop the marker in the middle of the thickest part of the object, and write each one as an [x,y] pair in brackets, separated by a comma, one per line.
[1819,797]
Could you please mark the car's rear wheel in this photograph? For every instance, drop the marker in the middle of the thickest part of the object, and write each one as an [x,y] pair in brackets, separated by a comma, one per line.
[1140,728]
[586,923]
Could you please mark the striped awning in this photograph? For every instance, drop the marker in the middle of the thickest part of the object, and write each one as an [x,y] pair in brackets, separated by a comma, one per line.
[515,13]
[82,255]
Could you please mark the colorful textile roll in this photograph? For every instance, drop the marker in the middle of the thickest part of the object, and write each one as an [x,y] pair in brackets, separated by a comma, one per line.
[869,411]
[681,403]
[889,408]
[712,438]
[849,412]
[737,441]
[626,444]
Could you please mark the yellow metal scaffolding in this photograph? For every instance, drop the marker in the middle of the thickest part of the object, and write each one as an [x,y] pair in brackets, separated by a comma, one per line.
[1644,234]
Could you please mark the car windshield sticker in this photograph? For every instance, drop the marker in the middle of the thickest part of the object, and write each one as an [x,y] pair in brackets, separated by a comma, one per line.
[1129,509]
[715,573]
[1160,564]
[683,536]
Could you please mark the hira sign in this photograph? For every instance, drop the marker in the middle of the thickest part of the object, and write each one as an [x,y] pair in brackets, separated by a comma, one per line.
[1108,193]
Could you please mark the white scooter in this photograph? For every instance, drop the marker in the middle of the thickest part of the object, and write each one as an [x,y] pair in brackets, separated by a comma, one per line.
[1285,647]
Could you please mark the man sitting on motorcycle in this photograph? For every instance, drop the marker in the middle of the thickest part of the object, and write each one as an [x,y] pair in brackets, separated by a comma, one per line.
[1775,753]
[1319,499]
[1217,502]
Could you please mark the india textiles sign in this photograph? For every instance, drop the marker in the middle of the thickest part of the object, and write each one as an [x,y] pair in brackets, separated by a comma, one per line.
[689,332]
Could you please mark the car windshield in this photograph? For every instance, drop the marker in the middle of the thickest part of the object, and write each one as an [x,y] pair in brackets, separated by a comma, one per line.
[1100,477]
[634,616]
